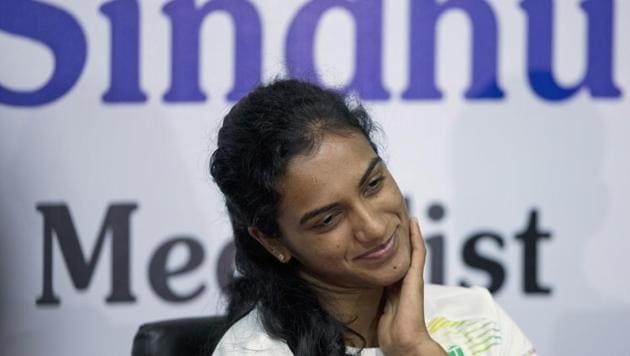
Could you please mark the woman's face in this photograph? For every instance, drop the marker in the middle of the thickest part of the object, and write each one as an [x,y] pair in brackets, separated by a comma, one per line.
[343,217]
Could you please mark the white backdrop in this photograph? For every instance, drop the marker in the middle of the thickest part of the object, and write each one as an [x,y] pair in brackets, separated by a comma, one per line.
[103,130]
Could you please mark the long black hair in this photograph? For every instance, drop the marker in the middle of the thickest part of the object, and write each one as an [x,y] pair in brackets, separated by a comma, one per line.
[258,137]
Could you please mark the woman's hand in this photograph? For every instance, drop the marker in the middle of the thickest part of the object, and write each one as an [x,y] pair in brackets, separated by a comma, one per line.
[401,328]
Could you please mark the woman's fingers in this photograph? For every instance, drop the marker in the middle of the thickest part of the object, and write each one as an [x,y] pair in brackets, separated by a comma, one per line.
[414,274]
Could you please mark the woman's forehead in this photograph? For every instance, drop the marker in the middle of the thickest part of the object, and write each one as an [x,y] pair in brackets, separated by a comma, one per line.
[333,168]
[334,158]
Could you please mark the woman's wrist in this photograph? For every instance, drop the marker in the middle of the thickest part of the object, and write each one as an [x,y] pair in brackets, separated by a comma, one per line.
[429,348]
[425,348]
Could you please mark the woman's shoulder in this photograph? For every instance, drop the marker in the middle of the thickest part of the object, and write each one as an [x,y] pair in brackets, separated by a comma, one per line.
[459,299]
[248,336]
[447,303]
[467,321]
[439,290]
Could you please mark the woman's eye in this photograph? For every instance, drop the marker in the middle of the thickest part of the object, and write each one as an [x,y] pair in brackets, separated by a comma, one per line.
[327,222]
[374,184]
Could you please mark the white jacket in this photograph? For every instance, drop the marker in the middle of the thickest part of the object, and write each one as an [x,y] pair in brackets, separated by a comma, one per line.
[464,321]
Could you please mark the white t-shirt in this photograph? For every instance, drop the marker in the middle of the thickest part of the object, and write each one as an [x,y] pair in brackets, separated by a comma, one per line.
[464,321]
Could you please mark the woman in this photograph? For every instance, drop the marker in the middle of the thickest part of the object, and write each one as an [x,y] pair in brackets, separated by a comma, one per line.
[329,261]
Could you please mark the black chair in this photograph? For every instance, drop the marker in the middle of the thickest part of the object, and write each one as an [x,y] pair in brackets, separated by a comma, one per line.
[190,337]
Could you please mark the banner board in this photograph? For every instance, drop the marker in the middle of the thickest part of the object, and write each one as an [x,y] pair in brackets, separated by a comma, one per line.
[505,124]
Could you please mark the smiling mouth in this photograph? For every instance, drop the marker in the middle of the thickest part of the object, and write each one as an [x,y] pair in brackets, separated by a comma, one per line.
[379,251]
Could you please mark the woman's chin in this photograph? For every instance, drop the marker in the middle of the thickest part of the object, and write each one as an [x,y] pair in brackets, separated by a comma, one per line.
[400,263]
[395,272]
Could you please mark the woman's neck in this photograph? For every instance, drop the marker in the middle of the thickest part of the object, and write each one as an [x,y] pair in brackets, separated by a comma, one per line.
[358,309]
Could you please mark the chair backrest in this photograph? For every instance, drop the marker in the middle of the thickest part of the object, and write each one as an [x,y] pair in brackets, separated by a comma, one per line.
[190,336]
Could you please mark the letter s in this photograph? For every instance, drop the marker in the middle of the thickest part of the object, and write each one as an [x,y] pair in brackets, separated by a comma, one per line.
[474,259]
[57,30]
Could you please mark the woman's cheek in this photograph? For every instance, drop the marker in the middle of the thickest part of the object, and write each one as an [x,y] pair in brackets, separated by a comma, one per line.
[396,199]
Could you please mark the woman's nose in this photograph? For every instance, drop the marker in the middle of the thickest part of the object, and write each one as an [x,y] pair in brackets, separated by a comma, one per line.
[369,224]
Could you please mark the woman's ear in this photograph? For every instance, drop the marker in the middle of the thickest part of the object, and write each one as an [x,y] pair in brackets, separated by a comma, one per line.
[273,245]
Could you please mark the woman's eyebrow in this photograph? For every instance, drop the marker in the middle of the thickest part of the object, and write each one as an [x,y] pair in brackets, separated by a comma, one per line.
[373,163]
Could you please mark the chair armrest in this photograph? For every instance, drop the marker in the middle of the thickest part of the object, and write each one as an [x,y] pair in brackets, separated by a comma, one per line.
[189,336]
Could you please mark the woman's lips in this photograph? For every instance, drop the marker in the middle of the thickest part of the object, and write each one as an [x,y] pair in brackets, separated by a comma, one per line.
[380,251]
